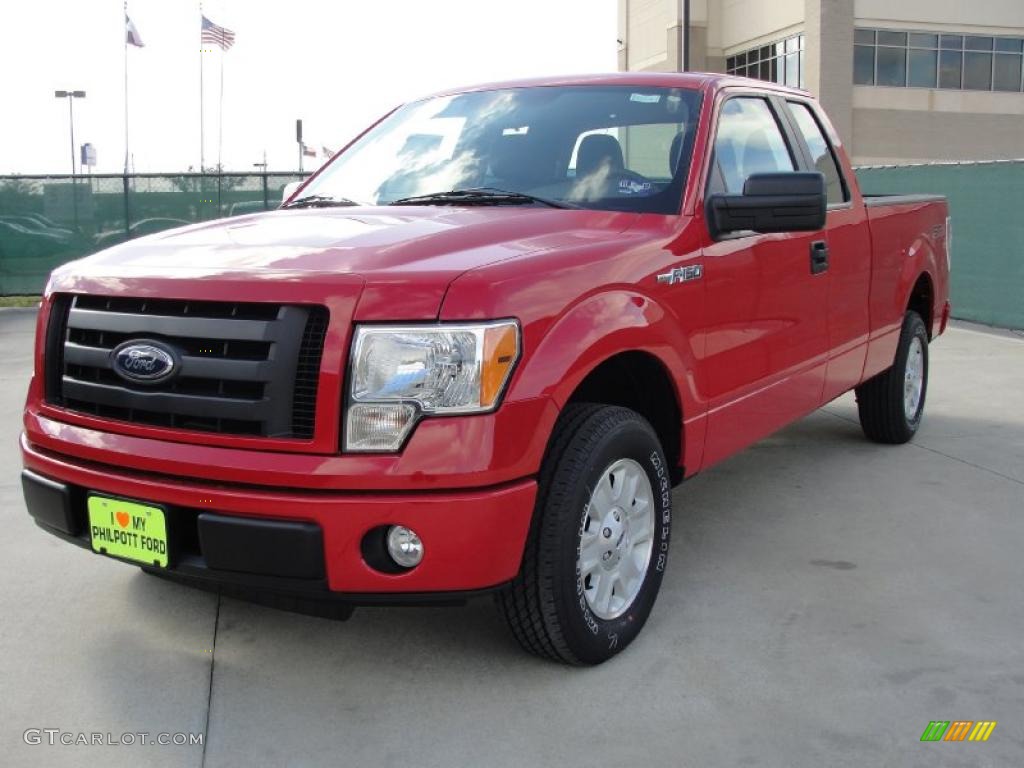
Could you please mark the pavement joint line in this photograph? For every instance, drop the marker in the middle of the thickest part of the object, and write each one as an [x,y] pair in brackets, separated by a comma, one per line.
[989,331]
[209,691]
[937,452]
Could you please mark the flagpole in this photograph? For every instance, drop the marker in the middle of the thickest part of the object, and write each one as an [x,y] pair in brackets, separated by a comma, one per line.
[202,137]
[220,115]
[126,88]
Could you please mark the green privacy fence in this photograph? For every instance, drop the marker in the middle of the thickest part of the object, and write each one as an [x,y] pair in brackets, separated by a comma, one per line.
[46,221]
[986,201]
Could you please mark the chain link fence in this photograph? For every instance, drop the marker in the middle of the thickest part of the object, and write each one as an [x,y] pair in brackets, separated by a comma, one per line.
[46,221]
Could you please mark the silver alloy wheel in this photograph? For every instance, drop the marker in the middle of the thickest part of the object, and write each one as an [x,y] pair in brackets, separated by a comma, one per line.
[617,539]
[913,379]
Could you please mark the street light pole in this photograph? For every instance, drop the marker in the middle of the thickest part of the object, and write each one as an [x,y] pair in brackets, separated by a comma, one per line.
[71,96]
[684,35]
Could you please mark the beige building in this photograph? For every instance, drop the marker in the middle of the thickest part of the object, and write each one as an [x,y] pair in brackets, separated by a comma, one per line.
[903,80]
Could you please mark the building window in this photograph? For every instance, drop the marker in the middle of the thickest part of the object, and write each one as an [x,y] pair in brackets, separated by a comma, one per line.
[950,69]
[781,62]
[922,67]
[891,66]
[928,60]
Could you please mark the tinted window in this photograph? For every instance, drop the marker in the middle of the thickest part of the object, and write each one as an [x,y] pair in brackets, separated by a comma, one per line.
[949,69]
[892,66]
[930,60]
[821,152]
[748,141]
[779,62]
[923,40]
[978,71]
[923,65]
[1007,73]
[892,38]
[863,65]
[978,43]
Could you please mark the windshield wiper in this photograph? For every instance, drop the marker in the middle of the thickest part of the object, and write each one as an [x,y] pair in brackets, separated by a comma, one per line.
[480,196]
[319,201]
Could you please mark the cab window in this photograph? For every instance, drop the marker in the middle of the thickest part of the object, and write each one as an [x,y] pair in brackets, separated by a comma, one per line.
[748,141]
[821,152]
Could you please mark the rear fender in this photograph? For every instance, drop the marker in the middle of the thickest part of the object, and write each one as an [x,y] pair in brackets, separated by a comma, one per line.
[921,260]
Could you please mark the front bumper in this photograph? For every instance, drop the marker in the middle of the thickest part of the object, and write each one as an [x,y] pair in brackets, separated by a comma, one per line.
[473,539]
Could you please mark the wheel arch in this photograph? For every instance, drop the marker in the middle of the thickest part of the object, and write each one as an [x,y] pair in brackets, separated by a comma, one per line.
[639,381]
[922,300]
[631,353]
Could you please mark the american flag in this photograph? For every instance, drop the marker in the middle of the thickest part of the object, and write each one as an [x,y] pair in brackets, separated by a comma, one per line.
[131,33]
[221,36]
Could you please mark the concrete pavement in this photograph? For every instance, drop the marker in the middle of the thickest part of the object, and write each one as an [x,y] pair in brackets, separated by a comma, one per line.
[826,598]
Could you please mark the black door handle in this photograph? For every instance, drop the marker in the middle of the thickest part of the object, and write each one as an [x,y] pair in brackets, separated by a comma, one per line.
[819,257]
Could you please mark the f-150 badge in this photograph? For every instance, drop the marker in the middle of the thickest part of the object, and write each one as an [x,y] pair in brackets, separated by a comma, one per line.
[682,274]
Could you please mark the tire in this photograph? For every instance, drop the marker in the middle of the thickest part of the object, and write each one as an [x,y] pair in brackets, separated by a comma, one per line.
[581,539]
[888,411]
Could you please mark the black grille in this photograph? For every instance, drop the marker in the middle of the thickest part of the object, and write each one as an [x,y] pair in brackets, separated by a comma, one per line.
[307,374]
[246,368]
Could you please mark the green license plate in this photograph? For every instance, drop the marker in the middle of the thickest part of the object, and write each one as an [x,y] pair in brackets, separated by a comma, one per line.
[128,529]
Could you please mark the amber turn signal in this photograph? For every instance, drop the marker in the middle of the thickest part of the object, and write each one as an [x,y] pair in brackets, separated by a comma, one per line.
[501,348]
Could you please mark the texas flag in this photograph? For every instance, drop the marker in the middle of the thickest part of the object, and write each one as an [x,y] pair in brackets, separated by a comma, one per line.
[131,33]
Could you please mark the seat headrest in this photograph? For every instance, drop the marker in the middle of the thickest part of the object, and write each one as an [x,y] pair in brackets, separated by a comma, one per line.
[513,158]
[597,150]
[675,153]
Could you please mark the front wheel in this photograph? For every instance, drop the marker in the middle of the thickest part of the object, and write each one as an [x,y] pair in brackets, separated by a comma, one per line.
[891,404]
[598,544]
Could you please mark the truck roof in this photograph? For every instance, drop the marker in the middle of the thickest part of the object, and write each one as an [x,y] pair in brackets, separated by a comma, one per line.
[692,80]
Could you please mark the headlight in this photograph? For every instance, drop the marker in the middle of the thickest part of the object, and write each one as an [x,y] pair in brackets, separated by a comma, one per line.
[400,373]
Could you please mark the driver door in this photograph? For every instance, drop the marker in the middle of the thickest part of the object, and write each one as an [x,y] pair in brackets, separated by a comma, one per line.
[766,327]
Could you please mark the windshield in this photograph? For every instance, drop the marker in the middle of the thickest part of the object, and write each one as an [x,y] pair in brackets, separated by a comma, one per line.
[603,147]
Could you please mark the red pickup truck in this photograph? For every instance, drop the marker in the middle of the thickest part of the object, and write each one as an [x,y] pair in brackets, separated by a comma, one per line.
[476,351]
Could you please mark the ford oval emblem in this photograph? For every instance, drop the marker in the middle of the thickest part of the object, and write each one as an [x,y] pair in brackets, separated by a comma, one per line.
[142,361]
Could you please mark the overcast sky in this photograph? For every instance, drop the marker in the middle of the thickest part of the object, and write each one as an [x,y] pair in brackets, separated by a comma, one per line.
[337,64]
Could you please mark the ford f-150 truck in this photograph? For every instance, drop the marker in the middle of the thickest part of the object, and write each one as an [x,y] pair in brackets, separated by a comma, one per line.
[475,352]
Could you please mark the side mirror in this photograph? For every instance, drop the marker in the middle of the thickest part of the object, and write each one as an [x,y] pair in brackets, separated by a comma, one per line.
[289,189]
[771,202]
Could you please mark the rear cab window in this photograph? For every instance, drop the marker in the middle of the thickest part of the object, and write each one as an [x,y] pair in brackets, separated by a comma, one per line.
[822,155]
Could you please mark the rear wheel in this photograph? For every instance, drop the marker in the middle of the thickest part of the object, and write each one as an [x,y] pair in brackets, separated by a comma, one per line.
[891,404]
[598,544]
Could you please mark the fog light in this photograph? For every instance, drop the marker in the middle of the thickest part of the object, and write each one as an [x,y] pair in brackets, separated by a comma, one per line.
[378,427]
[404,546]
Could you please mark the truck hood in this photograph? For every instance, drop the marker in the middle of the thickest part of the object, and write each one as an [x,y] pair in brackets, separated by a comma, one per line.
[406,256]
